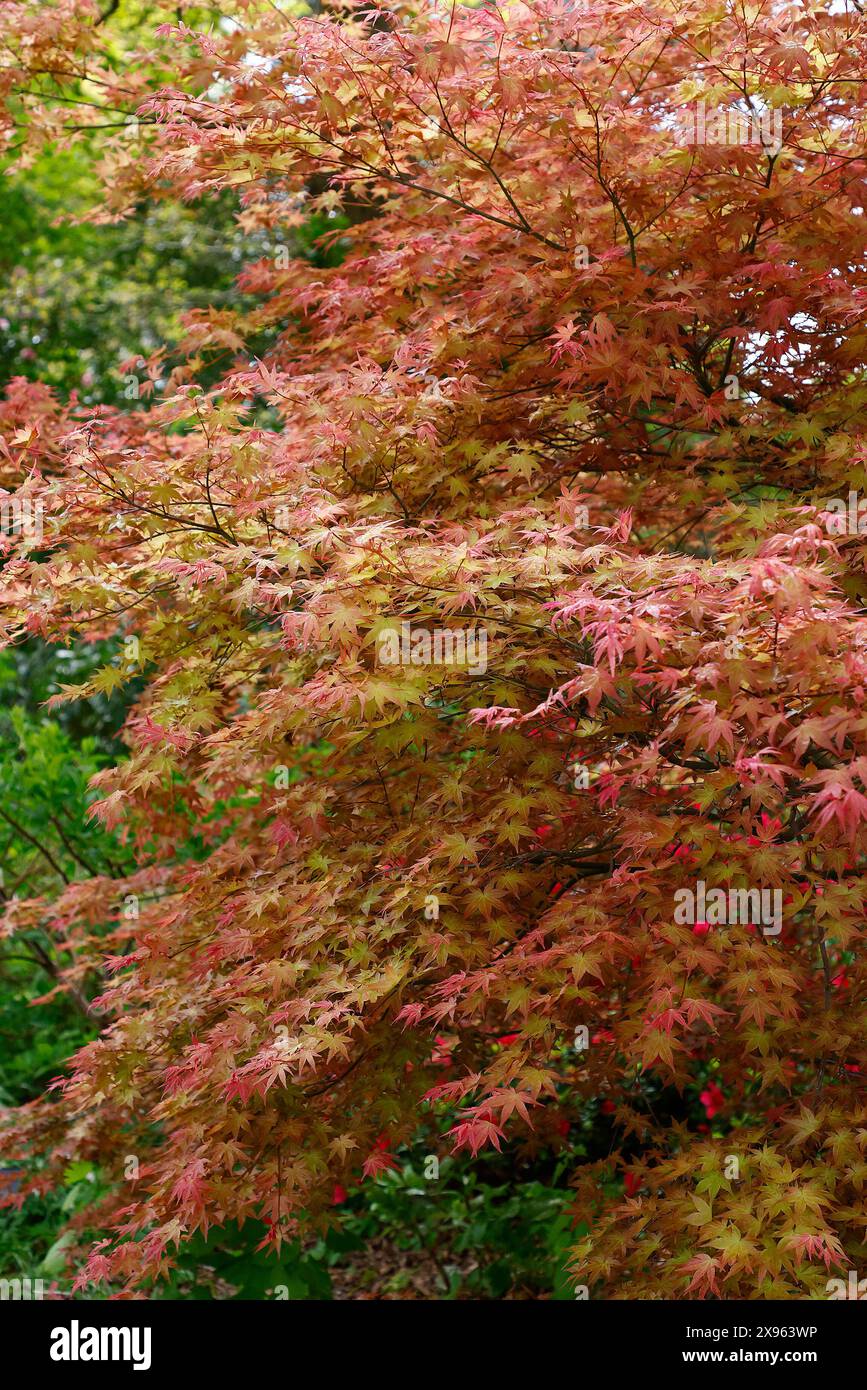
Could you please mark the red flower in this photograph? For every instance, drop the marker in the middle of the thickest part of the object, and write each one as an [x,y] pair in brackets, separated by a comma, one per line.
[713,1099]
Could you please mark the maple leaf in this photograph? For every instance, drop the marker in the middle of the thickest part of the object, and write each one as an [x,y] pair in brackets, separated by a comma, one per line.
[109,810]
[474,1134]
[704,1269]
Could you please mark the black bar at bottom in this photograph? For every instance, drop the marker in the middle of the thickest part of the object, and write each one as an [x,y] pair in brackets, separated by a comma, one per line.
[66,1340]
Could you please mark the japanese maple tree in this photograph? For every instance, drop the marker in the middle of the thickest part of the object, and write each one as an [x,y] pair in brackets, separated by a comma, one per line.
[582,384]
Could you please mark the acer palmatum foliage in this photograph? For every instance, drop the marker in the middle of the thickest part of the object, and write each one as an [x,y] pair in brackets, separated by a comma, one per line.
[587,388]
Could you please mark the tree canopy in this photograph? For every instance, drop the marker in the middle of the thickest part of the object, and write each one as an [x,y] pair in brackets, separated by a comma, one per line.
[566,400]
